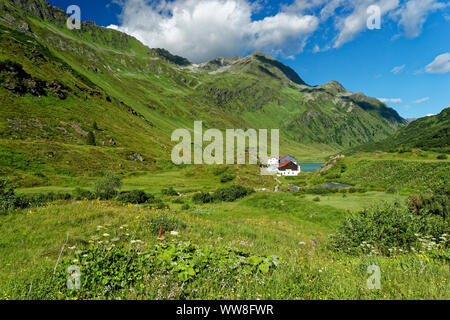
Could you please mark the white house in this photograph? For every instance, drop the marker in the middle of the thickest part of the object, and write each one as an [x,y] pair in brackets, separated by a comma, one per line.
[284,166]
[288,166]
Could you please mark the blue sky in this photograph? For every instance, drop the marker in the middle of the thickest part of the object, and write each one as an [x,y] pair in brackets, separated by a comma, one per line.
[405,62]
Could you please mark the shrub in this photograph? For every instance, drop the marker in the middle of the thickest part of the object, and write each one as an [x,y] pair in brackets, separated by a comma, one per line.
[7,196]
[203,197]
[437,203]
[135,196]
[442,157]
[118,272]
[169,192]
[185,207]
[91,138]
[232,193]
[82,194]
[382,229]
[227,177]
[169,223]
[316,199]
[106,187]
[23,201]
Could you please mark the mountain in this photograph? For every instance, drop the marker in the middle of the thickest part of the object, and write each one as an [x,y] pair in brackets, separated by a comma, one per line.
[428,133]
[60,87]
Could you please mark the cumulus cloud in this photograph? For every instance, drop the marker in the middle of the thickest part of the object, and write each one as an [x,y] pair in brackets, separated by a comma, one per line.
[391,100]
[398,69]
[441,64]
[204,29]
[413,15]
[422,100]
[353,24]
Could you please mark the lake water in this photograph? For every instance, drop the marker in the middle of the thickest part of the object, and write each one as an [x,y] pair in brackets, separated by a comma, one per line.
[310,167]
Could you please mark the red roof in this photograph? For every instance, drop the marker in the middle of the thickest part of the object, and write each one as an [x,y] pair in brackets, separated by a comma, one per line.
[282,157]
[285,163]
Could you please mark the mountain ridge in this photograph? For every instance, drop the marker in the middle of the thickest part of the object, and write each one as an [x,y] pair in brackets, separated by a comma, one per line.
[138,96]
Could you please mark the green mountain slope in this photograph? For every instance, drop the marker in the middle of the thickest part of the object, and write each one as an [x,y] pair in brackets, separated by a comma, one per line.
[57,86]
[430,133]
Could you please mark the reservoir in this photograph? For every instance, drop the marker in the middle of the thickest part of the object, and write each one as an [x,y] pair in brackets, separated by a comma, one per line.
[310,167]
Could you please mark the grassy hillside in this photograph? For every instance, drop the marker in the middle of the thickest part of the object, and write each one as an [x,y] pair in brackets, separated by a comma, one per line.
[429,133]
[59,86]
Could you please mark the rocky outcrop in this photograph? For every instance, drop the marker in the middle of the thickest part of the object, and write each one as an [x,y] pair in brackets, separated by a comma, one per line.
[330,164]
[18,81]
[134,156]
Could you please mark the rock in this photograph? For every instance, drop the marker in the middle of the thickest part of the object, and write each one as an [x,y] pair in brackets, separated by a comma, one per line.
[112,142]
[134,156]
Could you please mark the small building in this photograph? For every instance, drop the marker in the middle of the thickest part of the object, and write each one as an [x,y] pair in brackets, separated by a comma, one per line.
[282,159]
[289,168]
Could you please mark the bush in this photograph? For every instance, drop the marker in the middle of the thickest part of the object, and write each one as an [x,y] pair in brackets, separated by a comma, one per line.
[91,139]
[232,193]
[81,194]
[437,204]
[7,196]
[106,187]
[203,197]
[442,157]
[23,201]
[185,207]
[119,272]
[227,177]
[135,197]
[169,192]
[316,199]
[169,223]
[382,229]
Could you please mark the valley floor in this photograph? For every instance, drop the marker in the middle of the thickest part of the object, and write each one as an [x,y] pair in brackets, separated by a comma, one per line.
[293,228]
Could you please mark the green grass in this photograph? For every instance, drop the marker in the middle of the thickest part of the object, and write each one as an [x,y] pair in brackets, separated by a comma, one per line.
[354,202]
[381,173]
[292,228]
[138,98]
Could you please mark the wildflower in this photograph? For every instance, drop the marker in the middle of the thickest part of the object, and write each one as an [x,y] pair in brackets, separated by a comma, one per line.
[106,235]
[174,233]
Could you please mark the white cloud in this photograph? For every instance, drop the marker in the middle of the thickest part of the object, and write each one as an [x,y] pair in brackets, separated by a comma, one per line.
[413,15]
[391,100]
[422,100]
[350,26]
[204,29]
[441,64]
[398,69]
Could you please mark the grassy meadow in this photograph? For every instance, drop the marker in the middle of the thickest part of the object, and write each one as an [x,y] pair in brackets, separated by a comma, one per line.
[264,246]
